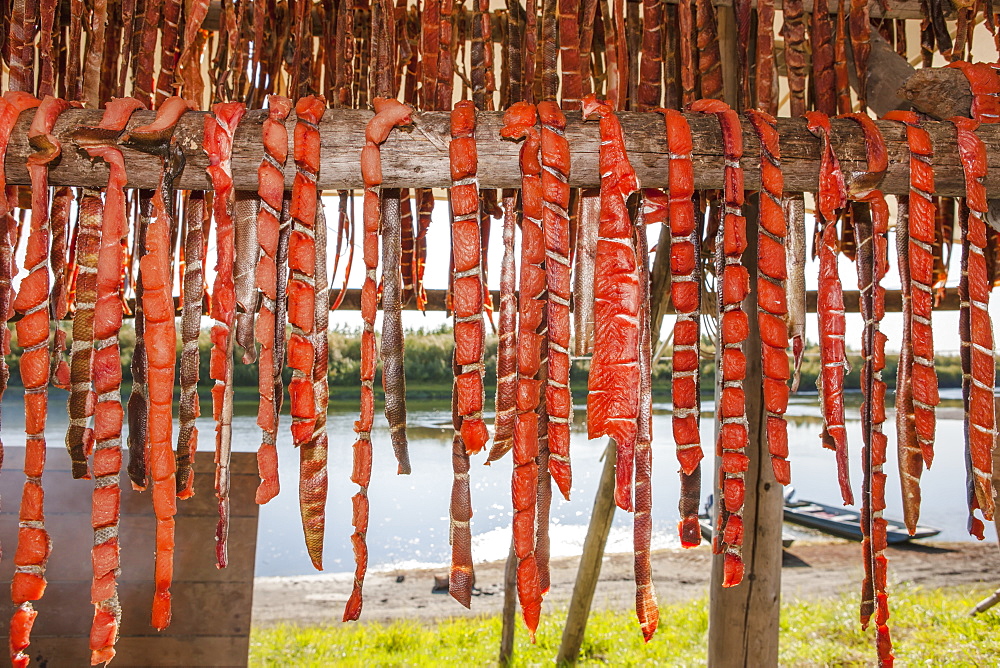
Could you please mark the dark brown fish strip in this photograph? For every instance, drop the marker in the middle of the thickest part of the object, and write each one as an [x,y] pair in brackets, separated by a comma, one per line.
[138,401]
[506,410]
[823,77]
[79,437]
[247,252]
[62,203]
[646,608]
[911,462]
[94,58]
[313,482]
[393,375]
[709,58]
[193,288]
[794,33]
[651,63]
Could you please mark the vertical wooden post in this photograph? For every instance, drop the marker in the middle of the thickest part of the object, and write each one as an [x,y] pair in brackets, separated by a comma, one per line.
[589,570]
[743,620]
[509,608]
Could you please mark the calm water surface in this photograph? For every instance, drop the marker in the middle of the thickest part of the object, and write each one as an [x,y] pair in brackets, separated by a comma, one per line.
[409,514]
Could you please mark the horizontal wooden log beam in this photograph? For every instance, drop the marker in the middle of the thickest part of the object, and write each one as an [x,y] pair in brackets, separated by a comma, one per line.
[418,157]
[436,302]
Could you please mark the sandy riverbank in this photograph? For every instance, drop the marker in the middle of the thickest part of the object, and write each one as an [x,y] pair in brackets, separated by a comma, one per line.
[810,570]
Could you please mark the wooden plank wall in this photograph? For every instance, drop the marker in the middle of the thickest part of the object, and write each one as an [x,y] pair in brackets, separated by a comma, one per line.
[211,607]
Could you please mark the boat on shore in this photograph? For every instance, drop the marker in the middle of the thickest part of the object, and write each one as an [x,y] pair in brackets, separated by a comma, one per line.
[846,522]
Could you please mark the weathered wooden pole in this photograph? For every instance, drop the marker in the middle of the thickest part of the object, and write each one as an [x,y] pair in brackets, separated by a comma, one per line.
[509,613]
[743,620]
[589,570]
[418,157]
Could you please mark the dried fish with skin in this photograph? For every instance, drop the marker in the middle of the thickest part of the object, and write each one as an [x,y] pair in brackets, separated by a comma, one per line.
[646,609]
[161,339]
[247,251]
[79,436]
[219,132]
[794,33]
[313,479]
[193,291]
[506,408]
[62,202]
[795,284]
[873,264]
[11,107]
[468,286]
[469,331]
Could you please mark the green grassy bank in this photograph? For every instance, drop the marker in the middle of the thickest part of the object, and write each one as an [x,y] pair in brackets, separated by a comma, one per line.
[929,627]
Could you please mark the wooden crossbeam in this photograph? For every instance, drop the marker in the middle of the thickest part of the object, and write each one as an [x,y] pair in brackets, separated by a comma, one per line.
[418,157]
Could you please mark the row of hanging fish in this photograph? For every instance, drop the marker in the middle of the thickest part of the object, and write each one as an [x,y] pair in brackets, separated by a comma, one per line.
[271,272]
[424,50]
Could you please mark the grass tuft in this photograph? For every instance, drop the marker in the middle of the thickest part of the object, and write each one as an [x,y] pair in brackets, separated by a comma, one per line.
[929,627]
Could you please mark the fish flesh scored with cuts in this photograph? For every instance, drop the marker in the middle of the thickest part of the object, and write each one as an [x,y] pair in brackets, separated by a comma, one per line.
[11,107]
[520,124]
[161,340]
[555,228]
[975,324]
[613,386]
[772,301]
[734,327]
[685,293]
[388,114]
[469,332]
[271,179]
[302,254]
[832,197]
[922,233]
[99,143]
[32,303]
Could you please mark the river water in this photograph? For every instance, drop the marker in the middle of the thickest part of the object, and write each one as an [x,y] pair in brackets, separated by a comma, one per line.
[409,514]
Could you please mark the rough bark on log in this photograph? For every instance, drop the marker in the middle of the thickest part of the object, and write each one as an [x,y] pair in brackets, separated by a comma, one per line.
[418,158]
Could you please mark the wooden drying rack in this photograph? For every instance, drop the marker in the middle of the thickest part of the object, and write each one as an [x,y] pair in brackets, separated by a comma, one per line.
[417,157]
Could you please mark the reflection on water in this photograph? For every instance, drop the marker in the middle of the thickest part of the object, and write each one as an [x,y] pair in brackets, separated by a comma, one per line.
[409,514]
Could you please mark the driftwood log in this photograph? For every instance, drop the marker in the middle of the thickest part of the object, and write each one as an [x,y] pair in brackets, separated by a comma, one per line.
[418,157]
